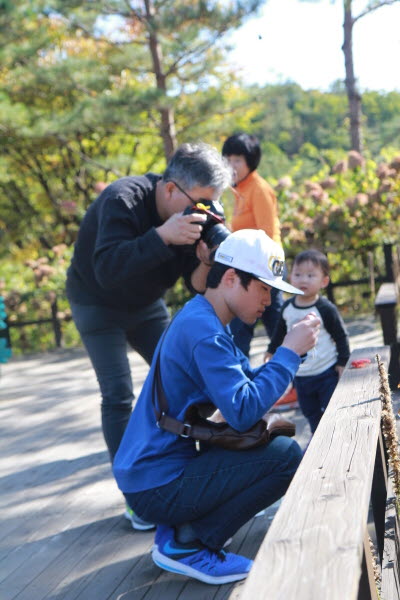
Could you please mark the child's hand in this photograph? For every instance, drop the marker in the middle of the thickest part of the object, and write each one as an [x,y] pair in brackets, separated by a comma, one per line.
[217,417]
[339,370]
[267,356]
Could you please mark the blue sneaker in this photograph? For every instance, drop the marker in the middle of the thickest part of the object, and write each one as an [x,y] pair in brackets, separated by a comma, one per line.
[198,561]
[136,522]
[161,530]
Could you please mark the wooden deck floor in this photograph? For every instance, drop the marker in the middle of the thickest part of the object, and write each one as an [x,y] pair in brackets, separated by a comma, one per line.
[62,532]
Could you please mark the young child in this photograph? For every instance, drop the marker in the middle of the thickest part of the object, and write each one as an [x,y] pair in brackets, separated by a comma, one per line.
[317,377]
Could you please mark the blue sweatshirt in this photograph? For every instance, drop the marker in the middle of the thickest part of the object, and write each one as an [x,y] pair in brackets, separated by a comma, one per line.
[199,363]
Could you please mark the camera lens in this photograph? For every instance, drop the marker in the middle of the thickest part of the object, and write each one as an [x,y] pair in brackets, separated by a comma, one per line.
[214,233]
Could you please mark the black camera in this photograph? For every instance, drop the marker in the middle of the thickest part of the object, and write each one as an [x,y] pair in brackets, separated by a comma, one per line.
[214,231]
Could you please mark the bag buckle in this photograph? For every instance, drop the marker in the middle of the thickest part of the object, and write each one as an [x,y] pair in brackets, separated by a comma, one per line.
[159,421]
[186,430]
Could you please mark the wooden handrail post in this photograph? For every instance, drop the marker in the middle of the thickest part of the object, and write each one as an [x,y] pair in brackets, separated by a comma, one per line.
[370,260]
[56,323]
[5,333]
[388,253]
[329,292]
[386,307]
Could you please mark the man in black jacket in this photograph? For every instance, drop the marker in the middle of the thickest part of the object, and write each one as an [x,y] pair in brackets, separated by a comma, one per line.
[131,247]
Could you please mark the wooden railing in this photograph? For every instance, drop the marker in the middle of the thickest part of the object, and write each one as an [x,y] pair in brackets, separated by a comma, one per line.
[373,279]
[53,319]
[318,546]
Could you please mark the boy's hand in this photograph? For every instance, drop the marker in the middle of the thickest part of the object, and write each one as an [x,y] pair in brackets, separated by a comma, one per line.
[217,417]
[267,356]
[304,335]
[203,253]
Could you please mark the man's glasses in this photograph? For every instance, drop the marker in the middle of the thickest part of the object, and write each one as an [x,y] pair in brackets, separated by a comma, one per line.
[192,200]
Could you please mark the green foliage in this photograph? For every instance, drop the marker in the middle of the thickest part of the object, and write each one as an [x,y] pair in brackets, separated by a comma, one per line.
[30,288]
[177,296]
[348,210]
[355,204]
[80,105]
[79,100]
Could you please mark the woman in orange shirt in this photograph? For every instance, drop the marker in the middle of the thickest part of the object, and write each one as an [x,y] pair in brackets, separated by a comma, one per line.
[255,207]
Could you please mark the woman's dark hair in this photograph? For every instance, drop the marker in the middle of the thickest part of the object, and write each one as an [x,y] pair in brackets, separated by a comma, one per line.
[245,145]
[217,272]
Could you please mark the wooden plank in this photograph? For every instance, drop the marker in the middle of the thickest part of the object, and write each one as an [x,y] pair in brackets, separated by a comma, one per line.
[58,501]
[387,294]
[314,546]
[62,533]
[93,568]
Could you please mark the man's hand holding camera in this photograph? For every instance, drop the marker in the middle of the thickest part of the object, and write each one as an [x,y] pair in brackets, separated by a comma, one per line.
[180,229]
[200,226]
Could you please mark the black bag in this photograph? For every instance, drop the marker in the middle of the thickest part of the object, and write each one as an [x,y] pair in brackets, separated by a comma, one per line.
[201,429]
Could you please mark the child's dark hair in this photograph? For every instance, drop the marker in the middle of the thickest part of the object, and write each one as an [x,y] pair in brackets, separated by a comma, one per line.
[316,257]
[245,145]
[217,271]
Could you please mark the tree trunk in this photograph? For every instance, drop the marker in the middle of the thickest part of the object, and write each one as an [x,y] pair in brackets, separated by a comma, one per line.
[167,129]
[353,96]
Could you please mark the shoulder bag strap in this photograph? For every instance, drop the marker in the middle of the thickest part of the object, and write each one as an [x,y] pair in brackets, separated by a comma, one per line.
[160,410]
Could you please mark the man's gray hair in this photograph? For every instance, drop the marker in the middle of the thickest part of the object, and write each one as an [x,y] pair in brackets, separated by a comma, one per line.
[200,165]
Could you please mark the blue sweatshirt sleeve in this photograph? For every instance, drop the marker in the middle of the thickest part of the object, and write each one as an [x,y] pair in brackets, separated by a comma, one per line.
[242,398]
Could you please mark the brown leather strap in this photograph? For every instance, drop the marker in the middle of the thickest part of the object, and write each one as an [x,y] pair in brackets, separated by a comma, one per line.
[163,420]
[158,392]
[174,426]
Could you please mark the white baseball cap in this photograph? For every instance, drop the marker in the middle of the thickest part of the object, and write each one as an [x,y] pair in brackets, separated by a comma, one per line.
[253,251]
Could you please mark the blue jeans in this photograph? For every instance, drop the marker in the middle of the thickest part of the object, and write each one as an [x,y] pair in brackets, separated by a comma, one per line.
[243,333]
[220,490]
[105,333]
[314,393]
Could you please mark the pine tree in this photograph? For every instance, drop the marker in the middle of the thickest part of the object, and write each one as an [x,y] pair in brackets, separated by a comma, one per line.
[93,91]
